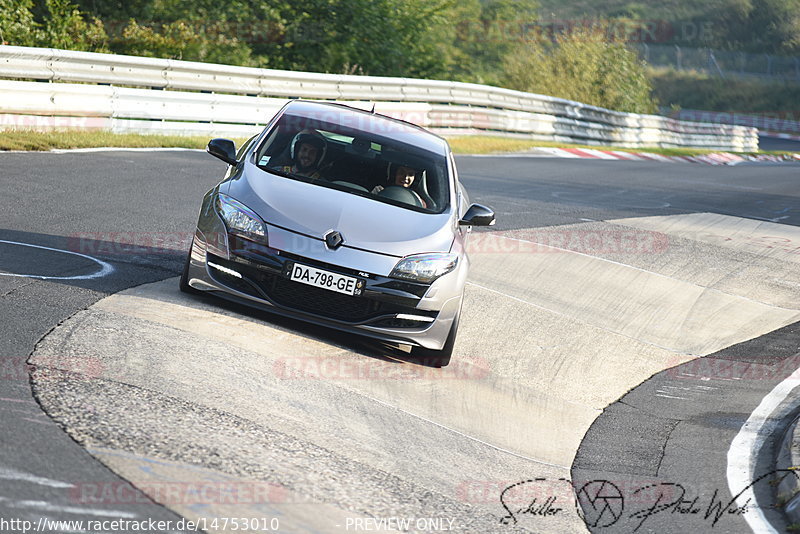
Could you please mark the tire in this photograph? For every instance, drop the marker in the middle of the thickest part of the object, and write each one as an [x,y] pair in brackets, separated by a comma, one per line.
[438,358]
[184,283]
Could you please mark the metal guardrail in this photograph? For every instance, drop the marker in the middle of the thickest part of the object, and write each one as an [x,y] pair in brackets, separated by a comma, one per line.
[773,122]
[137,94]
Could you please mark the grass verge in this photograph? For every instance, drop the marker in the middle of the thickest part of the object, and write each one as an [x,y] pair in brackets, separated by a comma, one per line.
[31,140]
[479,144]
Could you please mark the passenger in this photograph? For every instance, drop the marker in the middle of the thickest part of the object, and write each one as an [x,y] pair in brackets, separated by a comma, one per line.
[307,151]
[403,176]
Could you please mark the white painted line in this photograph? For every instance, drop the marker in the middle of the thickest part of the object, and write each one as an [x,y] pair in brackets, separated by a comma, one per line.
[49,507]
[121,149]
[509,155]
[105,268]
[741,455]
[23,401]
[13,474]
[101,149]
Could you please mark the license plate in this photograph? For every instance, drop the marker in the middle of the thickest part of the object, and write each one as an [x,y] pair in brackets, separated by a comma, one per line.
[325,279]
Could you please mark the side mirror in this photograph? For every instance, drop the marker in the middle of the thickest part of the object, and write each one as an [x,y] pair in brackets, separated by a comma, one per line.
[224,149]
[478,215]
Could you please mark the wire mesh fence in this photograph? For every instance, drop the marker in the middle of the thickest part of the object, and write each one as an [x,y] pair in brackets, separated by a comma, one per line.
[721,63]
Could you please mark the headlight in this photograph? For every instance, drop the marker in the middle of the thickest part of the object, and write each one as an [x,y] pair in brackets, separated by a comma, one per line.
[424,267]
[240,219]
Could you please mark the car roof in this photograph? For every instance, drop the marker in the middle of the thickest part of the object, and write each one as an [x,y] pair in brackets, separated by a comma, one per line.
[373,123]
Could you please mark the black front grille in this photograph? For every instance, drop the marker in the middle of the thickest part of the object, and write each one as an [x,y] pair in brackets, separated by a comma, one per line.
[323,302]
[297,296]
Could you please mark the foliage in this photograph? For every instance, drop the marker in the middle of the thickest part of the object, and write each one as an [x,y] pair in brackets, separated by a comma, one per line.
[377,37]
[66,28]
[17,26]
[485,32]
[582,66]
[62,26]
[178,40]
[760,26]
[699,91]
[483,41]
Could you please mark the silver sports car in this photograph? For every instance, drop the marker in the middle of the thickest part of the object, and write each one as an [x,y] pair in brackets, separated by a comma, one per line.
[343,218]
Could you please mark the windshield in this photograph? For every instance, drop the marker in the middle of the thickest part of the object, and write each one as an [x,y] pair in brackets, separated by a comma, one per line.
[364,163]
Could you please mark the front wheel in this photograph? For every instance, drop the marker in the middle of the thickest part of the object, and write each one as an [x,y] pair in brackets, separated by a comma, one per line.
[438,358]
[184,283]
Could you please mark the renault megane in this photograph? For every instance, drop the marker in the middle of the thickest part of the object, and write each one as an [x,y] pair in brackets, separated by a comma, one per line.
[344,218]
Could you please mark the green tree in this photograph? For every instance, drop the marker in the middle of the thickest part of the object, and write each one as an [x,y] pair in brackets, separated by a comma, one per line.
[173,41]
[378,37]
[582,66]
[65,27]
[771,26]
[181,40]
[17,26]
[486,32]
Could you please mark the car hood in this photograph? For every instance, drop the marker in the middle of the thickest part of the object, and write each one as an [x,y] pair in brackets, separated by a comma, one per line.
[366,224]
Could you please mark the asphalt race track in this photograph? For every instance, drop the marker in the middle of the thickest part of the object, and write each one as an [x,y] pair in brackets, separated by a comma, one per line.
[622,322]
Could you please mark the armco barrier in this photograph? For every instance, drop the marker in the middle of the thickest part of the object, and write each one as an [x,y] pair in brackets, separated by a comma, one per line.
[182,97]
[783,121]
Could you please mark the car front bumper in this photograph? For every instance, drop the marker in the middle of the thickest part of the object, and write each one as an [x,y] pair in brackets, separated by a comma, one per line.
[388,309]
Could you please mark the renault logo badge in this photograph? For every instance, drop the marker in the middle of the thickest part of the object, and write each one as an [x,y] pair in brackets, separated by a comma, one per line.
[333,240]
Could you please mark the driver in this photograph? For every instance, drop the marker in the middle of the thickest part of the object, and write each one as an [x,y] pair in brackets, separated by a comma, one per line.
[307,150]
[402,176]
